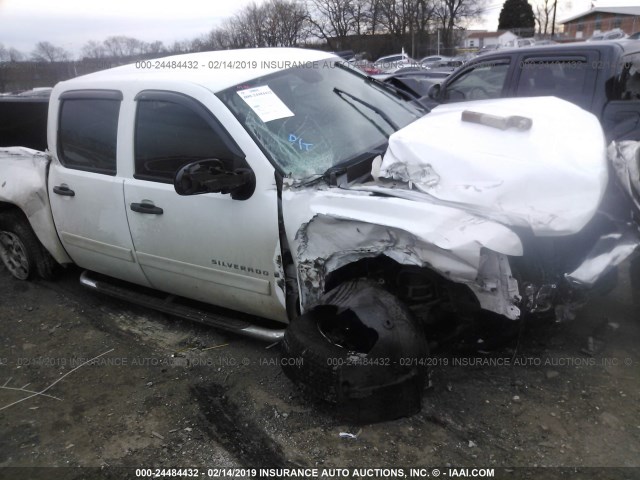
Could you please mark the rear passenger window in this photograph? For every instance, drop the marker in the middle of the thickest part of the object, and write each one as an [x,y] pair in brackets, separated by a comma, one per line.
[559,78]
[88,132]
[170,134]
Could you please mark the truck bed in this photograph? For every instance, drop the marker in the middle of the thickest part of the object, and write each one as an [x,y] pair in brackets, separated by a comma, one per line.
[23,122]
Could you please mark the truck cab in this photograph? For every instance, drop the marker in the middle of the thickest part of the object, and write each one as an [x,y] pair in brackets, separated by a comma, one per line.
[284,185]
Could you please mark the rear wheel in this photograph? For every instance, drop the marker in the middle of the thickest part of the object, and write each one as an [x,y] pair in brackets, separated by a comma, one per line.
[20,250]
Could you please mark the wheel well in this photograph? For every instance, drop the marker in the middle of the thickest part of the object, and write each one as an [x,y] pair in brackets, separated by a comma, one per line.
[10,207]
[422,289]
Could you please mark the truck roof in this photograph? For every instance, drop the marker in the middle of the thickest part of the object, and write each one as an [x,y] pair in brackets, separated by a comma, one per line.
[625,46]
[215,70]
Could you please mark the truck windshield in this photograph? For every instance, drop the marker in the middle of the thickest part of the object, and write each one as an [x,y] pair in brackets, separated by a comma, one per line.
[313,117]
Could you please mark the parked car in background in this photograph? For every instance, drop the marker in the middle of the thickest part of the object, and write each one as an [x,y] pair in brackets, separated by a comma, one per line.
[426,61]
[446,66]
[601,77]
[520,43]
[545,41]
[488,49]
[393,62]
[615,34]
[400,69]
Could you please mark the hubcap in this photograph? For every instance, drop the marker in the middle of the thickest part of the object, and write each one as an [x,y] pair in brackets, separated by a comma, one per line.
[14,255]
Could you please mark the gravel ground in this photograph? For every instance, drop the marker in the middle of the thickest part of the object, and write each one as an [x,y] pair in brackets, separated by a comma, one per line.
[167,393]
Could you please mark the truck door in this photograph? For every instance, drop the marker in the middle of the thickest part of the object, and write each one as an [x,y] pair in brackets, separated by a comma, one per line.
[85,188]
[207,247]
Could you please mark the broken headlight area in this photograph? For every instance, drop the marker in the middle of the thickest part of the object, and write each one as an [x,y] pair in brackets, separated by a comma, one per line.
[558,275]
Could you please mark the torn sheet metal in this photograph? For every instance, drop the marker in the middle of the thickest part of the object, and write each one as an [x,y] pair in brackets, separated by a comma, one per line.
[550,178]
[329,228]
[608,252]
[23,182]
[495,284]
[625,159]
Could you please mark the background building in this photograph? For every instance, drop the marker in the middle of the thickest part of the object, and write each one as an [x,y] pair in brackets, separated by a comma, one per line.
[489,39]
[602,19]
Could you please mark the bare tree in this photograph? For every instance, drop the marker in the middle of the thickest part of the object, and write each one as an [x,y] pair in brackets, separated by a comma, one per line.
[332,20]
[93,49]
[425,12]
[284,21]
[543,13]
[122,46]
[154,48]
[221,38]
[454,14]
[15,55]
[250,27]
[402,17]
[276,23]
[398,16]
[47,52]
[179,47]
[4,54]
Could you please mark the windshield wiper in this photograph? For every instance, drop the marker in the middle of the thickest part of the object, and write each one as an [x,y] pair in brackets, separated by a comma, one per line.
[355,168]
[387,87]
[383,115]
[368,78]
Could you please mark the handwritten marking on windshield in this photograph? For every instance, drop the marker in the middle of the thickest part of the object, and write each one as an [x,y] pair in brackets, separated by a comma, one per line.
[297,141]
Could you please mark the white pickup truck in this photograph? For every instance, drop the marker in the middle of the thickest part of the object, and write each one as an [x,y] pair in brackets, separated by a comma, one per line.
[285,185]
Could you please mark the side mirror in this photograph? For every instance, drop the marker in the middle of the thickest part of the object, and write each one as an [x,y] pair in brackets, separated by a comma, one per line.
[434,91]
[212,176]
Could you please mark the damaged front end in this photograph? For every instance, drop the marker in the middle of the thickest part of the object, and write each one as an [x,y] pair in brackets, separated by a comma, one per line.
[457,235]
[527,219]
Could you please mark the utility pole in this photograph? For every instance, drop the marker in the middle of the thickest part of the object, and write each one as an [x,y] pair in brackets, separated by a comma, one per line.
[553,24]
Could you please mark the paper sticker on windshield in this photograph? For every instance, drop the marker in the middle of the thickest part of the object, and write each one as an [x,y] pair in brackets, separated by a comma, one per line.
[265,103]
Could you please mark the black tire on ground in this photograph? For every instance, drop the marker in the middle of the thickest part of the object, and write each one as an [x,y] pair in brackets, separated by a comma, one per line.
[376,375]
[20,250]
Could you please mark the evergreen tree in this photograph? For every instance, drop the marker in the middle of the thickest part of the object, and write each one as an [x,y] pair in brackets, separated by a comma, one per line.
[517,15]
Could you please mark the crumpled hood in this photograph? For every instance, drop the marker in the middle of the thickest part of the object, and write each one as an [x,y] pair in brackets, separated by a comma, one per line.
[550,177]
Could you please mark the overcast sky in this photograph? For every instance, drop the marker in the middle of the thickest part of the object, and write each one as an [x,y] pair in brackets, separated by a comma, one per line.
[71,23]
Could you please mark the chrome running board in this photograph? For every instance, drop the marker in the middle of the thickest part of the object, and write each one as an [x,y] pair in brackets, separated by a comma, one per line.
[146,298]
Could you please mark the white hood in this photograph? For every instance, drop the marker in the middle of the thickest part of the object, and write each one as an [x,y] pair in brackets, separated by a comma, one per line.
[550,177]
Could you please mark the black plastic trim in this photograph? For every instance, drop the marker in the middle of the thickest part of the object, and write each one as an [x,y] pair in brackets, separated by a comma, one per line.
[92,94]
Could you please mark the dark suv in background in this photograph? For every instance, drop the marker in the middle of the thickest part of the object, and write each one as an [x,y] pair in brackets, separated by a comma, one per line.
[601,77]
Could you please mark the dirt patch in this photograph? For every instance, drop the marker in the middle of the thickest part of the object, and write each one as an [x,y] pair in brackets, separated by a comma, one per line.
[176,394]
